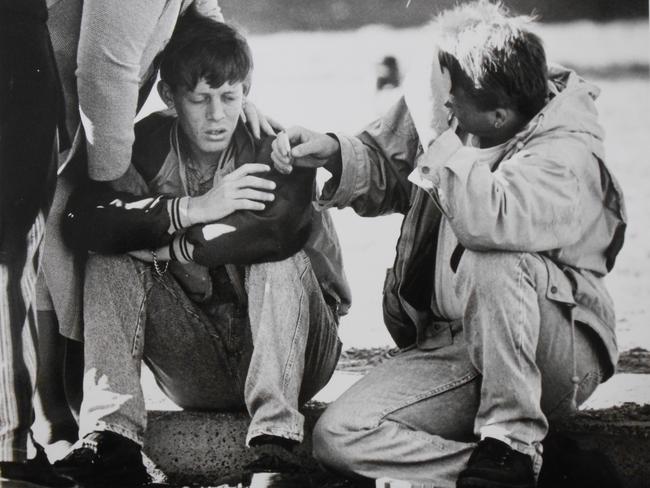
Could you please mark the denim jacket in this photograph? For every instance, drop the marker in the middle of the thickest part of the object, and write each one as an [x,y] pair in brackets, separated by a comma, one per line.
[550,194]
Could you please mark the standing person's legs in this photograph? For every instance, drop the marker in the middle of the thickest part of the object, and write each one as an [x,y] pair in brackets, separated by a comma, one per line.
[18,347]
[28,107]
[295,345]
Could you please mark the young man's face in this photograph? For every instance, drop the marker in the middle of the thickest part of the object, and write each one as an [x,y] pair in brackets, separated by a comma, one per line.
[471,118]
[208,116]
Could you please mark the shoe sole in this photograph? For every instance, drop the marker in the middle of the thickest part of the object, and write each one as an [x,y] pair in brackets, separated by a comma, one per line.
[482,483]
[108,479]
[7,483]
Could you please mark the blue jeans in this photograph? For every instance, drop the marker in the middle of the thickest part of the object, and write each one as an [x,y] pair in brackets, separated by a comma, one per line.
[270,360]
[505,369]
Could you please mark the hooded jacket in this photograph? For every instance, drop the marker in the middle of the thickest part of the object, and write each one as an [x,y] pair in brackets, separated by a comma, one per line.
[551,193]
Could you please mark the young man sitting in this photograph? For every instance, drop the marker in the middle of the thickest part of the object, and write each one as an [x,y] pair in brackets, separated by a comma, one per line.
[496,296]
[224,280]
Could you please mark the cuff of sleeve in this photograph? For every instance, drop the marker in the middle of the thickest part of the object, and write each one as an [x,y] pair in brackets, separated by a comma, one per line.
[351,161]
[177,208]
[181,250]
[440,152]
[461,167]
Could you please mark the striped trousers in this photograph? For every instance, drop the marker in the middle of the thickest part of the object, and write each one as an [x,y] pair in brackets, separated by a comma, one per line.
[18,345]
[30,103]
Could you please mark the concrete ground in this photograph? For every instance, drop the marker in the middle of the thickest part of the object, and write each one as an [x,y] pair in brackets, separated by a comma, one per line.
[199,447]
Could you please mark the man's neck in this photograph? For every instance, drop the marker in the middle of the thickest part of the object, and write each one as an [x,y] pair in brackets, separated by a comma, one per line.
[200,160]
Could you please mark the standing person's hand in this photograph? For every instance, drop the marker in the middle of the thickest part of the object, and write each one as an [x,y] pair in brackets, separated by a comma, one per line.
[257,122]
[239,190]
[303,148]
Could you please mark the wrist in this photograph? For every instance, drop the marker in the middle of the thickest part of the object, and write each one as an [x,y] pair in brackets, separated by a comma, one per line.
[179,215]
[194,213]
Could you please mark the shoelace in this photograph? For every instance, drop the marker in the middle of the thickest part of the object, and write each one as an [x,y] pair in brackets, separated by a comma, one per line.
[84,449]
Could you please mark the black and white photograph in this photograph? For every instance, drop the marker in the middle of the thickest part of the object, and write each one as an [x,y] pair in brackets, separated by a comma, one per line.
[324,244]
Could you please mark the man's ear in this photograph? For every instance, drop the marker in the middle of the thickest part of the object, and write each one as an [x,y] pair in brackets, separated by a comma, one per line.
[501,117]
[166,94]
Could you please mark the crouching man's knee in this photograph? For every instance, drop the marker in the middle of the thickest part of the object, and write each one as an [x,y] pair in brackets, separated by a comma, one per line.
[336,445]
[498,273]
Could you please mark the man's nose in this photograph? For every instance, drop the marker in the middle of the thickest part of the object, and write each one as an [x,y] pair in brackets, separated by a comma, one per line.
[215,110]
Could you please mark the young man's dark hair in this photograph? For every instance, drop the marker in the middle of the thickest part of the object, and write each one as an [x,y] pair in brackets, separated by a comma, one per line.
[494,58]
[199,50]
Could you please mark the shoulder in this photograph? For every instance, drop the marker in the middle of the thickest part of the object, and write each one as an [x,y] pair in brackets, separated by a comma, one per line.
[152,143]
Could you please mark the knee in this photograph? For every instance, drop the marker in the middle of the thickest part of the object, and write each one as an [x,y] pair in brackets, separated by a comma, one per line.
[337,445]
[495,272]
[279,273]
[104,270]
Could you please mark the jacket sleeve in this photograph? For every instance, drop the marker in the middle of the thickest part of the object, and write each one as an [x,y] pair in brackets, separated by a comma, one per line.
[114,36]
[532,202]
[375,166]
[101,219]
[247,237]
[208,8]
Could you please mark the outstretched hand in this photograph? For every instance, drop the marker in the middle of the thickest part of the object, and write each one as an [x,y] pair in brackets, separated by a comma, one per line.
[297,146]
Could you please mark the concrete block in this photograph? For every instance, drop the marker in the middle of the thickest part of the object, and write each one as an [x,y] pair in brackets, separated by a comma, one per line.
[621,433]
[199,447]
[205,446]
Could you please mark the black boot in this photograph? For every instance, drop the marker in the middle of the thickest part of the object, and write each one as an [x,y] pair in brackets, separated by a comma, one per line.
[494,464]
[33,473]
[104,459]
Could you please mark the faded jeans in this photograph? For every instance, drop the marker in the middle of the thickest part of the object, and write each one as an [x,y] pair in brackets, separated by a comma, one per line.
[505,371]
[283,358]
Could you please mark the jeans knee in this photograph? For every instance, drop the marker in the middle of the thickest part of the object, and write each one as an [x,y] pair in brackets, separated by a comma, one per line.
[106,270]
[103,265]
[280,273]
[332,442]
[489,273]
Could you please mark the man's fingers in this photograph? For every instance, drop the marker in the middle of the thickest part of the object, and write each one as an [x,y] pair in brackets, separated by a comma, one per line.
[256,183]
[252,118]
[249,168]
[283,144]
[266,126]
[275,124]
[250,194]
[311,147]
[249,205]
[282,164]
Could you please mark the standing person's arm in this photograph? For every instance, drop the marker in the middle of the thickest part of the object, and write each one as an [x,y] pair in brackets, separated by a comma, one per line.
[208,8]
[114,36]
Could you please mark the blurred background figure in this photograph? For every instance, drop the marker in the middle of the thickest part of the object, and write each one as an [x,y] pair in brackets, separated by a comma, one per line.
[389,80]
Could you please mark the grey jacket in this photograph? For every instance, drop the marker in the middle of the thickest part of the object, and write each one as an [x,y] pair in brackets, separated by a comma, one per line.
[551,194]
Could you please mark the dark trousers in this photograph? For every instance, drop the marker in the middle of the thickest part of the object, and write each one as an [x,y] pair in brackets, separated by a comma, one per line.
[30,104]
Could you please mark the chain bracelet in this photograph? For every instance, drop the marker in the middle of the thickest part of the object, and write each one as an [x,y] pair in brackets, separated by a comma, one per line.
[156,265]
